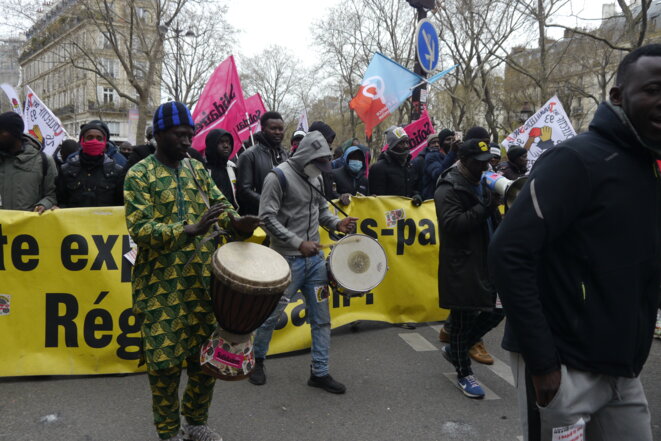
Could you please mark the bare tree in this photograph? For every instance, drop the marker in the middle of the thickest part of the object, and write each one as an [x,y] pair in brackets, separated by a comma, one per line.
[197,42]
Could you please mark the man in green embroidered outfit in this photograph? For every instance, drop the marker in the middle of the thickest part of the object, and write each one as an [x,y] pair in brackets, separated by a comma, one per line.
[167,217]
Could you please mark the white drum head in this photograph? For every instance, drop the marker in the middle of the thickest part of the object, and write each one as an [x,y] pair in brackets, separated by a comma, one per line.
[248,263]
[358,263]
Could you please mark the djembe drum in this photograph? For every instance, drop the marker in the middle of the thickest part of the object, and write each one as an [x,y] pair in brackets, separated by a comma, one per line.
[246,284]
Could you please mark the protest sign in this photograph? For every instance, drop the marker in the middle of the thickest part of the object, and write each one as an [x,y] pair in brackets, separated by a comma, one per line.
[42,124]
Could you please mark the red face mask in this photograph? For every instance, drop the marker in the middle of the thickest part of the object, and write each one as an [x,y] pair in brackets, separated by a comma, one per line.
[93,147]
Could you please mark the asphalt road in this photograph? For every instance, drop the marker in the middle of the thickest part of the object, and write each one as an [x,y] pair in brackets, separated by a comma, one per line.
[398,388]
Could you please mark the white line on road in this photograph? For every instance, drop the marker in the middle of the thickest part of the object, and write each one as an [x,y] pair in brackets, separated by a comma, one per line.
[502,369]
[488,393]
[418,342]
[520,438]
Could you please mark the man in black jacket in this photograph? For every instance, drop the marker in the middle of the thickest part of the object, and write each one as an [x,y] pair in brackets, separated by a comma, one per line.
[140,152]
[394,174]
[219,146]
[579,251]
[350,178]
[258,160]
[467,216]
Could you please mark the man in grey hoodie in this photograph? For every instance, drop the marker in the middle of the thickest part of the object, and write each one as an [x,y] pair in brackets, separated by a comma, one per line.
[292,208]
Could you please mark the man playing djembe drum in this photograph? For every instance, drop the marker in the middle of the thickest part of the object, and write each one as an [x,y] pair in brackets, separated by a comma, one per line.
[167,217]
[292,208]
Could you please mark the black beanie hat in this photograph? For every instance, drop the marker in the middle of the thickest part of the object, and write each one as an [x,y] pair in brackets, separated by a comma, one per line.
[444,134]
[95,124]
[515,152]
[13,123]
[325,129]
[477,132]
[171,114]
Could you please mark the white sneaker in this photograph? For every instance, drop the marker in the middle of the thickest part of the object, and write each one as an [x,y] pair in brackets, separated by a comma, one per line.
[199,433]
[657,330]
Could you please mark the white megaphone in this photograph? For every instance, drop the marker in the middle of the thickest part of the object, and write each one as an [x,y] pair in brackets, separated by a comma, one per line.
[508,189]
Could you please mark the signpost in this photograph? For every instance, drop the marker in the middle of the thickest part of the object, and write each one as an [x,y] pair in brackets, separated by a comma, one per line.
[427,45]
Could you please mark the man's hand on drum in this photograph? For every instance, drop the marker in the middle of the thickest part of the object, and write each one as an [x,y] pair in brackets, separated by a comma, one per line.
[245,224]
[205,222]
[309,248]
[347,225]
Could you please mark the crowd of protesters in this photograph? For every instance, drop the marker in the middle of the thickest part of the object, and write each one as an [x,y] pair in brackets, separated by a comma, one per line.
[574,255]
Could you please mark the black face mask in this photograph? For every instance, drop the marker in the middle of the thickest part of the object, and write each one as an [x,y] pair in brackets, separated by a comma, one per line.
[400,156]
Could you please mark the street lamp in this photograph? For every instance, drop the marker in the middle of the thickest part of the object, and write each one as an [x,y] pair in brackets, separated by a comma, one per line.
[525,112]
[178,32]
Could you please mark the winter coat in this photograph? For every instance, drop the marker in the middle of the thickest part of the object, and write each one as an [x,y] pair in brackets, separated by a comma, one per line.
[435,164]
[90,182]
[464,231]
[222,171]
[293,214]
[389,177]
[140,152]
[23,184]
[253,167]
[577,260]
[348,182]
[510,170]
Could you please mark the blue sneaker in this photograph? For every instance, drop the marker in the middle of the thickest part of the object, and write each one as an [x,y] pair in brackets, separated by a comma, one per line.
[470,387]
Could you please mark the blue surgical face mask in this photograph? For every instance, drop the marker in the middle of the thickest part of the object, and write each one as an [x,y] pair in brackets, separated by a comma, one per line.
[355,165]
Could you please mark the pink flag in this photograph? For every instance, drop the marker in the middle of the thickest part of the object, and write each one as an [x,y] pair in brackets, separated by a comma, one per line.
[418,132]
[221,105]
[250,123]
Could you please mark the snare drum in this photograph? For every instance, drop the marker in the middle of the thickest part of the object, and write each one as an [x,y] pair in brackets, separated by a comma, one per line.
[356,265]
[246,284]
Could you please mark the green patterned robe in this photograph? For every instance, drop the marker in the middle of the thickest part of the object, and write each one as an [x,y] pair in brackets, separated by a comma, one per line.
[171,298]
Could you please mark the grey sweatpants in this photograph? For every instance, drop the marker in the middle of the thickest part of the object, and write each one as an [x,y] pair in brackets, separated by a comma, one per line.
[601,407]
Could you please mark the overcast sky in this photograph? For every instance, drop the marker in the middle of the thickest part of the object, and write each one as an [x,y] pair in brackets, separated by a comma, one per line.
[287,23]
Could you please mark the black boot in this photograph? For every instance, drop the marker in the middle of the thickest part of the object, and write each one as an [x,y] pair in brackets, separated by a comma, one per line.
[327,383]
[258,375]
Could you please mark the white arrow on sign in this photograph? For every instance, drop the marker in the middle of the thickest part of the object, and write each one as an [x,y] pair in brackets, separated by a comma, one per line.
[430,47]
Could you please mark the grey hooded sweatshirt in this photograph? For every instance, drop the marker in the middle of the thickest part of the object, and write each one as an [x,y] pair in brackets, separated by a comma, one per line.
[293,215]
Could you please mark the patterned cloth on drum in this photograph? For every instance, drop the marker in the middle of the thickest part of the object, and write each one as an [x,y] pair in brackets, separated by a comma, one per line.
[171,298]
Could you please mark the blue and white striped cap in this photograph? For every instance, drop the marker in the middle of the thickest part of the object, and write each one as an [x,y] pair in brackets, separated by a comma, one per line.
[172,114]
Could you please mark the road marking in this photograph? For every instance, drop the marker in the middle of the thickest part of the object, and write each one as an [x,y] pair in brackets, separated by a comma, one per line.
[436,328]
[501,369]
[418,342]
[520,438]
[488,393]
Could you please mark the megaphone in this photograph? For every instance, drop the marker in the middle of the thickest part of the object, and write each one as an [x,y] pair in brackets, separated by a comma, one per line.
[507,188]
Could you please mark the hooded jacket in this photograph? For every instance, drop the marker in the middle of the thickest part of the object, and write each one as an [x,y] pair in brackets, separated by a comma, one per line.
[293,214]
[223,171]
[348,182]
[23,184]
[254,164]
[577,259]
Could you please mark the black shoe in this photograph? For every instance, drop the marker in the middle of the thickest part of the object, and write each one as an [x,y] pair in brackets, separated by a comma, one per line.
[258,375]
[406,325]
[327,383]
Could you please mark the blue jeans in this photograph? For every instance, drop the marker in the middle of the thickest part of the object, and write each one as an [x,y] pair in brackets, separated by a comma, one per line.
[309,275]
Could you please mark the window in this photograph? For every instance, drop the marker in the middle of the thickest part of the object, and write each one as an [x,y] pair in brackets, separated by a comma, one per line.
[109,67]
[108,95]
[140,69]
[104,41]
[113,126]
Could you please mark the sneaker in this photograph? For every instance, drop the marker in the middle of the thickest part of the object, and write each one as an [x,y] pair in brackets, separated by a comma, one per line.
[199,433]
[479,353]
[327,383]
[258,375]
[657,330]
[445,351]
[406,325]
[470,387]
[443,336]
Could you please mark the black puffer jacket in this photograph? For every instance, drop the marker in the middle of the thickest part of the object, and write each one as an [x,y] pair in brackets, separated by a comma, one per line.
[389,177]
[577,259]
[463,226]
[253,167]
[90,181]
[220,167]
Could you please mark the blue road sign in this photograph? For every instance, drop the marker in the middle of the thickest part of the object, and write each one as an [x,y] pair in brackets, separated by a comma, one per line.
[427,45]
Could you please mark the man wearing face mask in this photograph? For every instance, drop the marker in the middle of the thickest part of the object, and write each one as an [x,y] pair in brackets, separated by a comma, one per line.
[394,174]
[255,163]
[467,216]
[90,178]
[27,175]
[292,208]
[219,146]
[350,178]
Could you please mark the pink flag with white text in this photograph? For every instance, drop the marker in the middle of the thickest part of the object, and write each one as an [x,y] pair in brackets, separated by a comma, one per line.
[418,132]
[221,105]
[250,123]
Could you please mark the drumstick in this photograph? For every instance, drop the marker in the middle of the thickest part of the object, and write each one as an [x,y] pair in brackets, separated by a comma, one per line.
[348,240]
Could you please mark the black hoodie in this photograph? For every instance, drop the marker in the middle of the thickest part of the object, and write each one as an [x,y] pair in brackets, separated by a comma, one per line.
[219,166]
[577,258]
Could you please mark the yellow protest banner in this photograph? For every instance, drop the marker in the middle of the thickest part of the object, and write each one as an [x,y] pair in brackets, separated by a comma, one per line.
[65,296]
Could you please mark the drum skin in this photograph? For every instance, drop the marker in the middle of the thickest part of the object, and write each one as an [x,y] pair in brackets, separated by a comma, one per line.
[356,265]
